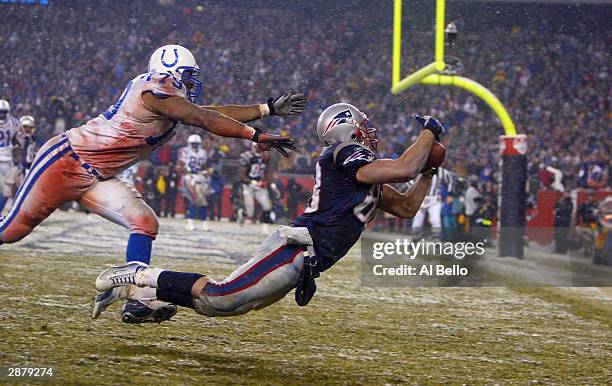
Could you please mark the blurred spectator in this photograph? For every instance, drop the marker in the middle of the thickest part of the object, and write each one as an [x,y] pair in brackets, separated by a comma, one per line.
[169,198]
[563,219]
[449,219]
[482,220]
[217,183]
[471,195]
[295,196]
[586,223]
[151,193]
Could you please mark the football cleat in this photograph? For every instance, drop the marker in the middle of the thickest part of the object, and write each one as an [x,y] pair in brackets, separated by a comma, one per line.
[120,276]
[136,311]
[205,226]
[106,298]
[190,225]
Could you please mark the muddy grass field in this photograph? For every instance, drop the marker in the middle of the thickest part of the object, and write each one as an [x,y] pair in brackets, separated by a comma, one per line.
[348,334]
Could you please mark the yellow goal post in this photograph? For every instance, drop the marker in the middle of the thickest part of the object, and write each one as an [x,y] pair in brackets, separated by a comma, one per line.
[430,74]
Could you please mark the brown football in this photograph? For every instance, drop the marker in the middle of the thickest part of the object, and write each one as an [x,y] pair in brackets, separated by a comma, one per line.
[436,156]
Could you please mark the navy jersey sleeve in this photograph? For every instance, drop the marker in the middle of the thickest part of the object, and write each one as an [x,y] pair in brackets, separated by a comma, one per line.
[350,157]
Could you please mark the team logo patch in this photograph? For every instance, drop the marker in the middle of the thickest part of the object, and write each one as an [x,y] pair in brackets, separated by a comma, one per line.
[176,58]
[360,155]
[343,117]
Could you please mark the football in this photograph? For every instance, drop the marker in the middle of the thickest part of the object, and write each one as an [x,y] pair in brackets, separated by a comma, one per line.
[436,156]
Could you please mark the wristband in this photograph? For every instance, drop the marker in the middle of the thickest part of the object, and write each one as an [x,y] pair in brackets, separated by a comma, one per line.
[264,110]
[255,137]
[436,135]
[248,132]
[270,104]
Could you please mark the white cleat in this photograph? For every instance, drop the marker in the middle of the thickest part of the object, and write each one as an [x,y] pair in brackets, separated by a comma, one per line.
[123,275]
[190,226]
[108,297]
[204,226]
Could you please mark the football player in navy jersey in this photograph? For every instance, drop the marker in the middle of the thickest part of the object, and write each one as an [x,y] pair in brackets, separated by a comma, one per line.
[253,174]
[350,184]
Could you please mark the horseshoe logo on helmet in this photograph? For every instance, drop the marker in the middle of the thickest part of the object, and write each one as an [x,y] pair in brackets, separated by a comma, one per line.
[176,58]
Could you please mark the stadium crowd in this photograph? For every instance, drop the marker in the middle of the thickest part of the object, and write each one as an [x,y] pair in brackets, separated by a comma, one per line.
[555,86]
[75,58]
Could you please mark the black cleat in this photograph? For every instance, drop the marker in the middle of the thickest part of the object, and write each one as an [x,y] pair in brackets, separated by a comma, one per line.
[136,312]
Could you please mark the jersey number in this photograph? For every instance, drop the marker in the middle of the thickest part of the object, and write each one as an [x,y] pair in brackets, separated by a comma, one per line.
[5,138]
[108,114]
[313,204]
[365,210]
[256,171]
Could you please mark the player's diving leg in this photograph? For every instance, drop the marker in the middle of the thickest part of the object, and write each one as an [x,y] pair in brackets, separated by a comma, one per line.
[54,178]
[120,203]
[264,279]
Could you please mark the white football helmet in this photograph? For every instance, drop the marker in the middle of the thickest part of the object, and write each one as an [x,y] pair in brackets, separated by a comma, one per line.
[5,109]
[27,124]
[27,120]
[343,122]
[181,64]
[194,141]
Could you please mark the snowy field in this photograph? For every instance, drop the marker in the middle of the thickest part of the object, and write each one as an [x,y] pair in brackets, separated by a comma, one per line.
[348,334]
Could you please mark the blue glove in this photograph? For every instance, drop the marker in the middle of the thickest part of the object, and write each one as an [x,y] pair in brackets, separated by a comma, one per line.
[431,124]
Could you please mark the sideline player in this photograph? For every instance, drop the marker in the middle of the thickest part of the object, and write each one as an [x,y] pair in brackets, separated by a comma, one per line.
[432,204]
[25,148]
[195,184]
[253,175]
[350,184]
[9,127]
[81,164]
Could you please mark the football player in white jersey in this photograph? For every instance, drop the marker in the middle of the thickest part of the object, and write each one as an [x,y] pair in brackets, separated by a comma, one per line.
[25,148]
[432,204]
[194,184]
[81,164]
[253,164]
[25,142]
[9,127]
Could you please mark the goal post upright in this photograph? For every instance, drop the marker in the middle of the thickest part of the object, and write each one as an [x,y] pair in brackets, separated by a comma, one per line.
[429,75]
[514,164]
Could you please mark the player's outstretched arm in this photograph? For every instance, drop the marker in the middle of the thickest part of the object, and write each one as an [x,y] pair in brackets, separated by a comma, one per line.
[180,109]
[410,163]
[403,169]
[288,104]
[405,205]
[241,113]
